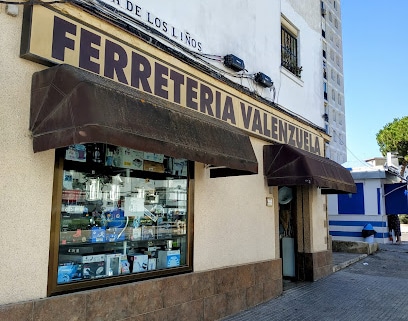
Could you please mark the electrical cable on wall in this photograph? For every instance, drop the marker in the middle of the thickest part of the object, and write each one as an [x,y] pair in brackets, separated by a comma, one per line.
[30,2]
[114,15]
[197,55]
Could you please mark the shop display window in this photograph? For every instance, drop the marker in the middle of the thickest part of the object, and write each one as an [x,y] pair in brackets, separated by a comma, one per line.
[123,215]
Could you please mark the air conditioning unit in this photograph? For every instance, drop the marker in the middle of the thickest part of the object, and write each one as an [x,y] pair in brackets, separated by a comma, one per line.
[323,10]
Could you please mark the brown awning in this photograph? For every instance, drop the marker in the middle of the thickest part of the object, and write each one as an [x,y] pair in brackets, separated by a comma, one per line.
[285,165]
[73,106]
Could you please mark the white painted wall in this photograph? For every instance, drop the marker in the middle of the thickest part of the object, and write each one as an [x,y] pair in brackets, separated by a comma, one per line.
[304,97]
[370,196]
[358,227]
[252,32]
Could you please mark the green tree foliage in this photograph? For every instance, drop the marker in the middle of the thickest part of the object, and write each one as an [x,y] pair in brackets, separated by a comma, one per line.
[394,138]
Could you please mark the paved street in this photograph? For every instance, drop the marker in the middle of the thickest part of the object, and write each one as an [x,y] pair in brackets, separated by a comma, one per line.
[373,288]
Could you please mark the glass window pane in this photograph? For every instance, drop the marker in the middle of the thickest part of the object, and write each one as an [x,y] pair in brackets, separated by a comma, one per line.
[123,212]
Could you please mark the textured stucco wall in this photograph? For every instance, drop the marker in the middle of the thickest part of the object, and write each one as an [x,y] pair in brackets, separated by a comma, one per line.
[232,224]
[26,178]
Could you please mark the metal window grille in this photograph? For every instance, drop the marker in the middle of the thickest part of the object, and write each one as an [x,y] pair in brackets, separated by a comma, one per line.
[289,52]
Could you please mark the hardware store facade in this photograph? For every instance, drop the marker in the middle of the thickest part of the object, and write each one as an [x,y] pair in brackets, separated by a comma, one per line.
[138,184]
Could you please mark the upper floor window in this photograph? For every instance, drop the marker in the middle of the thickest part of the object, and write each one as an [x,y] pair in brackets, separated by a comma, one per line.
[322,8]
[289,49]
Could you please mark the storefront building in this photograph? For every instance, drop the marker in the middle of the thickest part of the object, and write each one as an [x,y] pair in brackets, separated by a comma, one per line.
[145,176]
[381,191]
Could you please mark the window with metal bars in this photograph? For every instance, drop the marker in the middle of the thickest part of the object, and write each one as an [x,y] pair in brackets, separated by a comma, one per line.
[289,52]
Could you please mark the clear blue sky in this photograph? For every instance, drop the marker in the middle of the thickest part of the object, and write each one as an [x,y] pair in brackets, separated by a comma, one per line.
[375,58]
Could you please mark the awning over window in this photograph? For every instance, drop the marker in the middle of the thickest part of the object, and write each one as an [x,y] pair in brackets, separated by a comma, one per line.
[73,106]
[288,165]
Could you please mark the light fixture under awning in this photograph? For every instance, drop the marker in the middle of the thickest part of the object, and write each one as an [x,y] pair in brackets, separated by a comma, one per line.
[285,165]
[72,106]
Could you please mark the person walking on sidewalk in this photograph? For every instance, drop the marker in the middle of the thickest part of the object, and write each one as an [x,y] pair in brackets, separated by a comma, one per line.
[394,225]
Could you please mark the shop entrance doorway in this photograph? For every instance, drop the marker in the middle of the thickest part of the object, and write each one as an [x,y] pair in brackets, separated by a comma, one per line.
[288,232]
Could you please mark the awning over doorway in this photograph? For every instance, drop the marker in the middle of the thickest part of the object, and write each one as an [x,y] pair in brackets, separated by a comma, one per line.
[72,106]
[288,165]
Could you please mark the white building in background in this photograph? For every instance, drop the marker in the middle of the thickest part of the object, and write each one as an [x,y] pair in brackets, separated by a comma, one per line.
[333,80]
[145,146]
[380,191]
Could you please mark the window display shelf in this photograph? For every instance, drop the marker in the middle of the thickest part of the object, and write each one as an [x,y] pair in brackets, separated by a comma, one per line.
[123,213]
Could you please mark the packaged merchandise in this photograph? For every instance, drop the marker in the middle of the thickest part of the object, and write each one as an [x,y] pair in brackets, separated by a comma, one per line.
[138,262]
[168,259]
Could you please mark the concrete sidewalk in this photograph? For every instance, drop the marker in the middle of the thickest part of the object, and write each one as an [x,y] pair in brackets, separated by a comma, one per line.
[364,287]
[342,260]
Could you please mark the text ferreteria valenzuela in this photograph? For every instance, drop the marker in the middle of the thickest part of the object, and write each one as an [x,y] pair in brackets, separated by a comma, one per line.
[93,50]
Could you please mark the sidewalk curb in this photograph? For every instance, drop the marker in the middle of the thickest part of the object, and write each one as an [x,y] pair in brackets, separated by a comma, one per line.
[343,265]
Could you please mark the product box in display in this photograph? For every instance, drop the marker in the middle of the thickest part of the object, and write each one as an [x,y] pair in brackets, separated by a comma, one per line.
[158,158]
[98,234]
[136,234]
[149,166]
[164,230]
[134,206]
[138,262]
[152,264]
[148,232]
[168,259]
[179,167]
[125,158]
[124,265]
[116,218]
[115,234]
[151,251]
[78,236]
[76,153]
[93,266]
[68,272]
[113,265]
